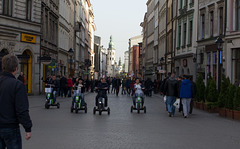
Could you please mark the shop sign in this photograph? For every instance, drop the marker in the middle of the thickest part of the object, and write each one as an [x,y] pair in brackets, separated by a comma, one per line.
[28,38]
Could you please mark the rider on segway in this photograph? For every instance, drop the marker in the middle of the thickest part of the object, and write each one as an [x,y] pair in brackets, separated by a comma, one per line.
[53,84]
[138,91]
[102,91]
[80,86]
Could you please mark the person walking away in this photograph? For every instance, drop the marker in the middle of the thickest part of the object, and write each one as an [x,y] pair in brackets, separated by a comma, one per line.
[113,85]
[14,106]
[132,85]
[70,85]
[170,90]
[118,84]
[21,77]
[179,80]
[123,86]
[186,95]
[58,90]
[128,84]
[108,82]
[63,86]
[155,86]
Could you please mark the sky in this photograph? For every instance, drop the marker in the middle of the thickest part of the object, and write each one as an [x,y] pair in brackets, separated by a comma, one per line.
[119,18]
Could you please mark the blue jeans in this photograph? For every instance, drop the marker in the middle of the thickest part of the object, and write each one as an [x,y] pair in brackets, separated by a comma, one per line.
[170,101]
[10,138]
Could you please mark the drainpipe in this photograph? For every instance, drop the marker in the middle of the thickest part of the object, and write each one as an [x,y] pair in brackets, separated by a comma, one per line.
[166,38]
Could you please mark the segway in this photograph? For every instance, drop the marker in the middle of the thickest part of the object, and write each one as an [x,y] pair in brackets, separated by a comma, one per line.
[138,105]
[100,107]
[49,99]
[77,103]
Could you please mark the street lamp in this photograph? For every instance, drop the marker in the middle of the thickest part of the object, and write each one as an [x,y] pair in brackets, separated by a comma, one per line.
[219,42]
[71,52]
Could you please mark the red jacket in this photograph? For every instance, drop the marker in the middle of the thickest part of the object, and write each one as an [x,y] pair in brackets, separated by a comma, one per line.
[70,83]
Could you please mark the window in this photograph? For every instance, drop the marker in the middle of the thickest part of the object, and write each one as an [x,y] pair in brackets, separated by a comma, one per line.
[7,7]
[208,63]
[179,36]
[236,65]
[29,9]
[46,24]
[238,15]
[190,32]
[180,5]
[185,3]
[202,58]
[211,24]
[221,21]
[203,26]
[214,61]
[184,34]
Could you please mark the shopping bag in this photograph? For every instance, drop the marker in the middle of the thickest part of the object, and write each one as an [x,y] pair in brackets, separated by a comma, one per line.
[177,103]
[165,98]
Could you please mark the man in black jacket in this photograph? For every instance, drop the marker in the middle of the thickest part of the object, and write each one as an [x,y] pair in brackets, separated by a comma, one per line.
[102,92]
[14,107]
[171,91]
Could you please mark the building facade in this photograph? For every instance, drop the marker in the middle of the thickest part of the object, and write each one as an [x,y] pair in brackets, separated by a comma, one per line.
[211,24]
[49,38]
[20,33]
[162,38]
[185,52]
[133,43]
[231,52]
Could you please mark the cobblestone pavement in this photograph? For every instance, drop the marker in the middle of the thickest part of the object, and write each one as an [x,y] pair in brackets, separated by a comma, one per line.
[60,129]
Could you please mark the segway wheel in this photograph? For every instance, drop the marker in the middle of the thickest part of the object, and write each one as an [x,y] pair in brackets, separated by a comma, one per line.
[46,105]
[76,111]
[138,111]
[85,109]
[131,109]
[108,111]
[94,110]
[71,109]
[100,112]
[58,105]
[145,109]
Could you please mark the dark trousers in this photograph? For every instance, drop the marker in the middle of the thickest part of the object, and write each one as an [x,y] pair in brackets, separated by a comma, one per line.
[103,96]
[10,138]
[113,89]
[117,90]
[69,91]
[63,91]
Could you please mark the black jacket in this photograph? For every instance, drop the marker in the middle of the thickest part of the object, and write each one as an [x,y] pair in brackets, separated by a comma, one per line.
[171,87]
[63,82]
[14,107]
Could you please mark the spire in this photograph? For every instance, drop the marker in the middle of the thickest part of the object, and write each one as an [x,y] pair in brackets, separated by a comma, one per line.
[111,44]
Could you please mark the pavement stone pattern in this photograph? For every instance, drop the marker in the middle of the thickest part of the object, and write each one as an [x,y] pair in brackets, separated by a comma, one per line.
[59,129]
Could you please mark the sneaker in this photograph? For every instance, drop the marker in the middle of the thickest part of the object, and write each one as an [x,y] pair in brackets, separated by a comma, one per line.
[169,114]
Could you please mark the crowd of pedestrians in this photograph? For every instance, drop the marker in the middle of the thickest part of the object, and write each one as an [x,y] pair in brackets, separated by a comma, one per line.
[14,109]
